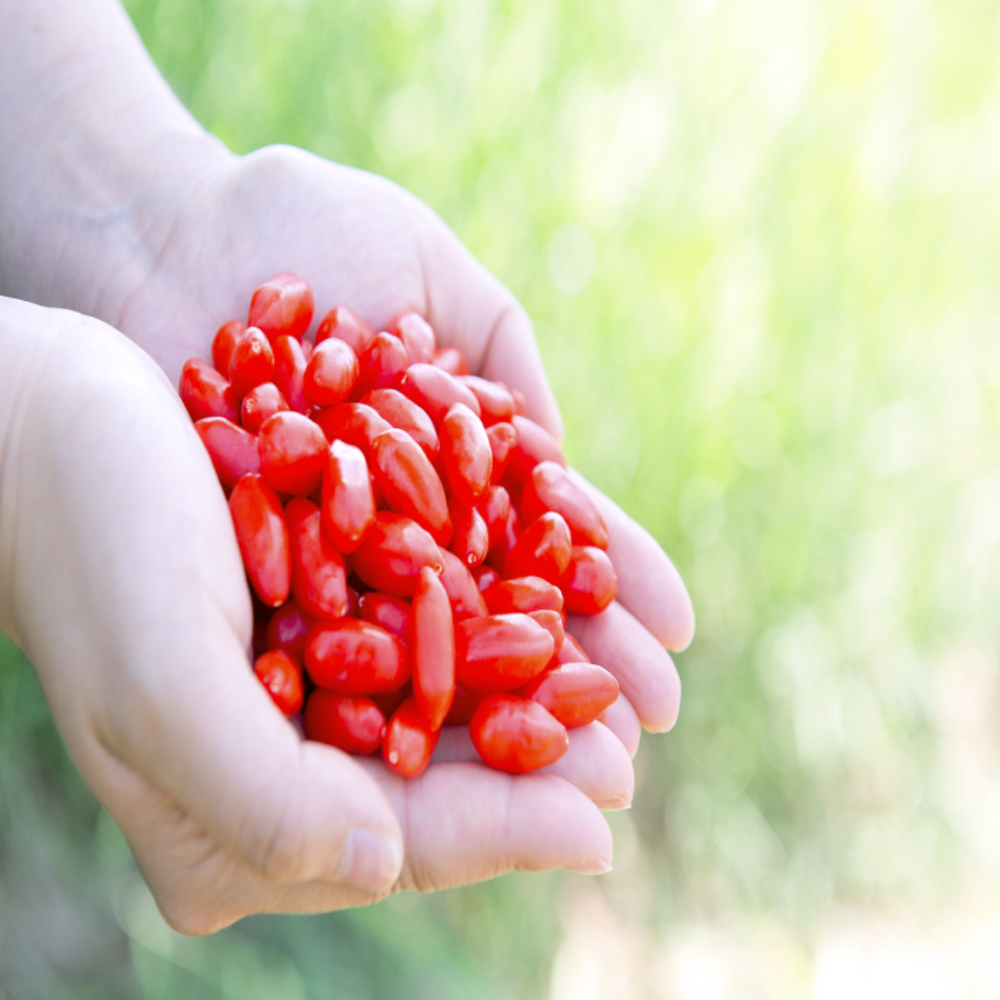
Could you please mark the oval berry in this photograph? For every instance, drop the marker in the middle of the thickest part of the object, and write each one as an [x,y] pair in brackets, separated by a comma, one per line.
[225,340]
[534,444]
[290,372]
[292,453]
[470,539]
[497,555]
[288,628]
[409,741]
[432,649]
[516,735]
[388,612]
[590,583]
[417,336]
[352,724]
[542,549]
[354,423]
[261,402]
[282,306]
[409,483]
[281,675]
[251,363]
[552,622]
[382,362]
[348,326]
[460,585]
[393,553]
[495,402]
[524,594]
[348,504]
[500,652]
[404,414]
[549,487]
[574,693]
[465,454]
[262,535]
[435,391]
[502,437]
[495,509]
[331,373]
[355,657]
[232,449]
[205,393]
[319,578]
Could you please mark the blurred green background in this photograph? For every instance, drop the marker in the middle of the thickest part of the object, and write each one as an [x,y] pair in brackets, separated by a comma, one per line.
[759,242]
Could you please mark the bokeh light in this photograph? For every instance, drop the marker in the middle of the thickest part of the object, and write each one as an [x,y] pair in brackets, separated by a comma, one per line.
[760,243]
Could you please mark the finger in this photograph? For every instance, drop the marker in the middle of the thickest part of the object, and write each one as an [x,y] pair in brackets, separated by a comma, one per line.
[511,356]
[596,762]
[643,667]
[143,551]
[199,887]
[621,719]
[466,823]
[648,582]
[210,738]
[472,310]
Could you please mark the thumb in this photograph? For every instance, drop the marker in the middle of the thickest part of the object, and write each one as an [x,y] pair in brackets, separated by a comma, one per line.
[473,310]
[290,811]
[185,711]
[133,607]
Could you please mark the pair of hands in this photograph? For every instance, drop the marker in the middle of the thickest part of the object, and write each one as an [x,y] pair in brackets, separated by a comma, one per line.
[122,582]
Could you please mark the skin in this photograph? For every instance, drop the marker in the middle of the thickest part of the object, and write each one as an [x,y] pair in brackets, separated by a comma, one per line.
[119,573]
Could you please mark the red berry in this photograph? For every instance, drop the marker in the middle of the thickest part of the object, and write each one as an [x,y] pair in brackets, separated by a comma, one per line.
[282,306]
[282,676]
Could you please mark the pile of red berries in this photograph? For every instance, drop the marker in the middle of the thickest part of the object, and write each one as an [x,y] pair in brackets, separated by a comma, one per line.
[410,537]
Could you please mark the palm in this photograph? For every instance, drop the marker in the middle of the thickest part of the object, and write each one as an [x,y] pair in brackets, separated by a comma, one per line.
[358,239]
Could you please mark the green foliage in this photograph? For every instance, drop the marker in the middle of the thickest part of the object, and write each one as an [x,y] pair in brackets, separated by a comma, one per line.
[758,242]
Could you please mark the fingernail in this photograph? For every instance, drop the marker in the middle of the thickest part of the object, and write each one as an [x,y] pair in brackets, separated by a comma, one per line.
[598,867]
[369,861]
[613,804]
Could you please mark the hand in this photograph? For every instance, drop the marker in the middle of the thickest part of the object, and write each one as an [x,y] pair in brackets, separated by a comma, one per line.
[364,242]
[227,812]
[122,584]
[116,203]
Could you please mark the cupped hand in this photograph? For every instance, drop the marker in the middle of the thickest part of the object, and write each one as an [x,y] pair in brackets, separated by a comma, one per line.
[221,227]
[121,581]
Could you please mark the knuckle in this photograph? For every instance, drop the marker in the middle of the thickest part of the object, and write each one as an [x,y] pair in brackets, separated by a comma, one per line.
[274,835]
[189,914]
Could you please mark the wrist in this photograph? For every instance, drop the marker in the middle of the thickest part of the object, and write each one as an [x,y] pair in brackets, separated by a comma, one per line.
[97,149]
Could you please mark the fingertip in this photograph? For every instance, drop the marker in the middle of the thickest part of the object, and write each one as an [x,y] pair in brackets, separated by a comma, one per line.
[349,825]
[648,677]
[543,408]
[512,357]
[649,584]
[557,813]
[665,719]
[678,631]
[599,866]
[597,764]
[370,860]
[621,719]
